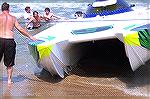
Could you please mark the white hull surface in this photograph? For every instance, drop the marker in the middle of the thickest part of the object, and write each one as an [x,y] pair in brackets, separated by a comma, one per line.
[57,49]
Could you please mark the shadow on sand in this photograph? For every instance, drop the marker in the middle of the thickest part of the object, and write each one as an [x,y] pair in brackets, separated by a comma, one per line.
[108,59]
[48,77]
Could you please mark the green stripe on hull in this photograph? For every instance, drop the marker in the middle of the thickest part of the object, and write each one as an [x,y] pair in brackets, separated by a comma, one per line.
[144,38]
[129,27]
[139,38]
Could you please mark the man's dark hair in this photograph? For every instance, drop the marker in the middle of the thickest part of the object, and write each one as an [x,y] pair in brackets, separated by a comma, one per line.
[35,12]
[79,13]
[26,8]
[5,6]
[48,9]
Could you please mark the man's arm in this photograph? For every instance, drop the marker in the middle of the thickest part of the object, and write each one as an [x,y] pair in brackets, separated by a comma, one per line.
[30,21]
[23,31]
[57,17]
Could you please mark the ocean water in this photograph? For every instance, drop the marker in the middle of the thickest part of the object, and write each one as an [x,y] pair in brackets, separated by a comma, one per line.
[59,9]
[63,8]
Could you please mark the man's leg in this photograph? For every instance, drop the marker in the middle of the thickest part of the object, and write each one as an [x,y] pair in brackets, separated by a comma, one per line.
[9,57]
[9,73]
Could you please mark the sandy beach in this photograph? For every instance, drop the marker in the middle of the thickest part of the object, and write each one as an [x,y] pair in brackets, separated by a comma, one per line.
[89,79]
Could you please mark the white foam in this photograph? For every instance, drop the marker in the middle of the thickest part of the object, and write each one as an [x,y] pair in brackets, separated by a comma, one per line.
[133,90]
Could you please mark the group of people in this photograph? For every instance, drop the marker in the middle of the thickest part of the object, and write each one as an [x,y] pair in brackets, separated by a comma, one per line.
[33,19]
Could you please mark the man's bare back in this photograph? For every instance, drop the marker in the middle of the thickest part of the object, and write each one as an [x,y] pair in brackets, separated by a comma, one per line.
[7,23]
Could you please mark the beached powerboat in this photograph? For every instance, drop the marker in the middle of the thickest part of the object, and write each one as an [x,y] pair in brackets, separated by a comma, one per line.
[62,45]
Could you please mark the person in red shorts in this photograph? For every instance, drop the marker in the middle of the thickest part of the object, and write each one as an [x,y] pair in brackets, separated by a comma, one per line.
[7,43]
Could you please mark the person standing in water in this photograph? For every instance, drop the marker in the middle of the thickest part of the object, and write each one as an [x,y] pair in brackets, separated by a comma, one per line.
[49,16]
[35,20]
[7,43]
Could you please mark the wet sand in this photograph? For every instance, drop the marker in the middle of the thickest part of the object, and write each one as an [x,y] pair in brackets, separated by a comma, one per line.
[90,79]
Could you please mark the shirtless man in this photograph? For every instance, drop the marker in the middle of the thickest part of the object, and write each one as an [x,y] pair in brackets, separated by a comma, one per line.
[7,43]
[35,20]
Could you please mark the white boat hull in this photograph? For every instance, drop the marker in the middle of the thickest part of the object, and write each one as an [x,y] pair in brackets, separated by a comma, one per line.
[62,52]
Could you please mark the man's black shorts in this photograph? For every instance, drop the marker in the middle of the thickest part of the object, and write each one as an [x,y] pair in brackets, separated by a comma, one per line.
[8,49]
